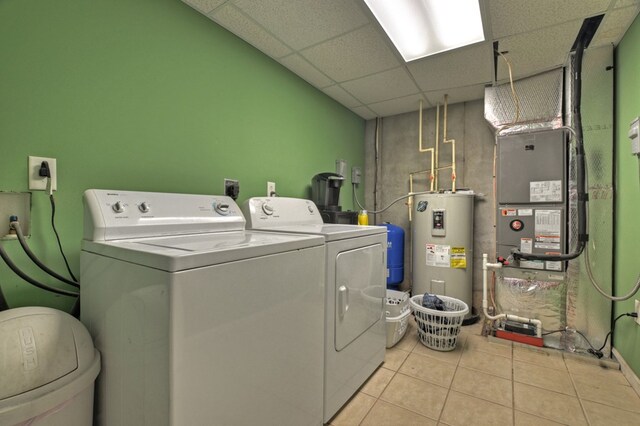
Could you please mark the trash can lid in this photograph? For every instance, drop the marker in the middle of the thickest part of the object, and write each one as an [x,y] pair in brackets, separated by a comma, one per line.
[39,346]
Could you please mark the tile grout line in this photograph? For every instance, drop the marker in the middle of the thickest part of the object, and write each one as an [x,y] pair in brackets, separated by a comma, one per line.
[446,398]
[513,386]
[575,388]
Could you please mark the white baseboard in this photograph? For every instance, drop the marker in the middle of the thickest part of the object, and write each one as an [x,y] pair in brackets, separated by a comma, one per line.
[627,371]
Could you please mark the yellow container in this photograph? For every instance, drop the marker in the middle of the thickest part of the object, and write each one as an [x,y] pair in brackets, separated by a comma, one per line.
[363,218]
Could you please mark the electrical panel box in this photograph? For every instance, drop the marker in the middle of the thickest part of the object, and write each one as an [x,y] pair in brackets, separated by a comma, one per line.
[532,197]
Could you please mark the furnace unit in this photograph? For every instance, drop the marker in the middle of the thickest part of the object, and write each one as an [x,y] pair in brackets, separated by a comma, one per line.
[532,197]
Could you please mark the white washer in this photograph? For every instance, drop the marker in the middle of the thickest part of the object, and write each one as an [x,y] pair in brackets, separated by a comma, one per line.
[199,321]
[355,337]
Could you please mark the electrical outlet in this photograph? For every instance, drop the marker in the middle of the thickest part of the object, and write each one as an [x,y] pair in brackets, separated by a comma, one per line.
[271,189]
[37,182]
[637,312]
[356,174]
[231,188]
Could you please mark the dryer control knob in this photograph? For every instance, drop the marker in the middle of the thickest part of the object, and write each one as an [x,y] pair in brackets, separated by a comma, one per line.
[118,207]
[267,209]
[222,209]
[143,207]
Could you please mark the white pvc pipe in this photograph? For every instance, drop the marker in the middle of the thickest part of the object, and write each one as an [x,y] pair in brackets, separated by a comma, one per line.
[485,303]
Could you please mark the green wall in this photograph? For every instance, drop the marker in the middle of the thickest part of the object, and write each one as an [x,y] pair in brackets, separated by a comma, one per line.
[149,95]
[627,333]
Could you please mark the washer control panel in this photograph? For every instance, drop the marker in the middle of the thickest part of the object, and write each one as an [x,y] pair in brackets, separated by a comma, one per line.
[113,215]
[280,211]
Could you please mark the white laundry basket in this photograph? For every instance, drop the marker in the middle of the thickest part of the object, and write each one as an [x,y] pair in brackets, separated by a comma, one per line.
[439,330]
[397,312]
[48,367]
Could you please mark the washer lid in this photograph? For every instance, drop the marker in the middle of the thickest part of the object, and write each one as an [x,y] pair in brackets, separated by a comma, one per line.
[179,253]
[331,231]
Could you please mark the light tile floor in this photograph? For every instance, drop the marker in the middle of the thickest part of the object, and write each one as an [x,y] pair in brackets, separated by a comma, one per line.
[489,382]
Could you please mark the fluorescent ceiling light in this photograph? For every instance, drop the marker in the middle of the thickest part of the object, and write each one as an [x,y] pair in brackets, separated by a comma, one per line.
[420,28]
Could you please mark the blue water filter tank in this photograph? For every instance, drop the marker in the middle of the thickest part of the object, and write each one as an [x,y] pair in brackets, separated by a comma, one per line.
[395,255]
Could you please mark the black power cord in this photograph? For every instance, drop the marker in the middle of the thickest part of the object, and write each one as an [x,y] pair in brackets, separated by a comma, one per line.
[593,351]
[628,314]
[46,172]
[55,231]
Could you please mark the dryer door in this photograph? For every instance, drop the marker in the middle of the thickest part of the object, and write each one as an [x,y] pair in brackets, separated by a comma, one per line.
[359,292]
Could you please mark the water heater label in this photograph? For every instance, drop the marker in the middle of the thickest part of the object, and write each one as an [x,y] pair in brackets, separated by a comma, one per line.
[458,258]
[544,191]
[438,255]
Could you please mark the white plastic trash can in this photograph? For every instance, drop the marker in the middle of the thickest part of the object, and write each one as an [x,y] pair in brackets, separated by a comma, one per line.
[48,367]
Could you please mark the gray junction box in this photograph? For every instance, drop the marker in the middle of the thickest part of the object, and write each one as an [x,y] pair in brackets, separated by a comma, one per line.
[532,196]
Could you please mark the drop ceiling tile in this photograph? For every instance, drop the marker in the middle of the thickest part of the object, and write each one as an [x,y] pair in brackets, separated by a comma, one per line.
[397,106]
[509,17]
[364,112]
[204,6]
[302,23]
[456,95]
[244,27]
[614,26]
[304,69]
[459,67]
[383,86]
[353,55]
[538,51]
[625,3]
[341,95]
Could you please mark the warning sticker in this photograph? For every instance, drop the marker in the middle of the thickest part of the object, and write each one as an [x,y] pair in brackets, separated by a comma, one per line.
[548,246]
[547,228]
[458,258]
[438,255]
[526,245]
[554,266]
[546,190]
[509,212]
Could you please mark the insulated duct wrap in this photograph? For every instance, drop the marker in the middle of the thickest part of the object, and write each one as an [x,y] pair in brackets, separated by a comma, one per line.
[540,99]
[532,298]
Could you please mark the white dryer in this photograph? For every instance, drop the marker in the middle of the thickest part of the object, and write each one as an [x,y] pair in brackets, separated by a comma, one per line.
[200,322]
[355,337]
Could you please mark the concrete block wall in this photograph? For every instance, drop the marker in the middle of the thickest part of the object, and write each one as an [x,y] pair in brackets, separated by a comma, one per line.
[398,156]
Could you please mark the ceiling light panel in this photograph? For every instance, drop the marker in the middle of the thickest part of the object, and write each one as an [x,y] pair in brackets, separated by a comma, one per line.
[420,28]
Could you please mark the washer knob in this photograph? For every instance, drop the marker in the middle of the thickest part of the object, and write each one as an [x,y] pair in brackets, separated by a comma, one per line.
[143,207]
[118,207]
[222,209]
[310,209]
[267,209]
